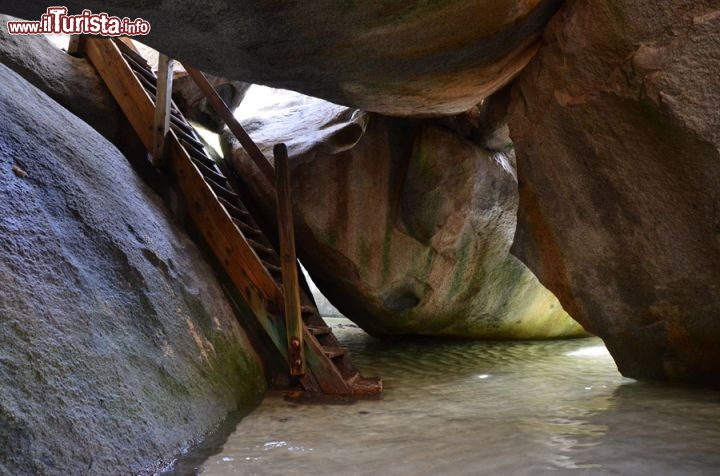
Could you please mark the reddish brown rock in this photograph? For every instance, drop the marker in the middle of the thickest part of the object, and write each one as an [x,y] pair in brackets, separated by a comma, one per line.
[617,131]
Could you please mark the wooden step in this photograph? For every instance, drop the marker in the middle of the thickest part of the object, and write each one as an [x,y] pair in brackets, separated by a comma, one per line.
[366,387]
[208,172]
[149,87]
[319,330]
[203,158]
[334,352]
[256,245]
[308,310]
[274,269]
[188,140]
[194,152]
[128,53]
[233,210]
[246,229]
[221,191]
[180,123]
[140,68]
[261,249]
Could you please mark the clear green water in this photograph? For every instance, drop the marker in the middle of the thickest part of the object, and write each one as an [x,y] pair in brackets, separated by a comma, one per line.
[466,408]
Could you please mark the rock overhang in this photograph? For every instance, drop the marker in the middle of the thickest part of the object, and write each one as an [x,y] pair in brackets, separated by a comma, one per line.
[393,57]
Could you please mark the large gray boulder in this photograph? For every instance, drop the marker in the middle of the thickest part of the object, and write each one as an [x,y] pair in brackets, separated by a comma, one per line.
[118,347]
[73,83]
[404,225]
[617,128]
[394,57]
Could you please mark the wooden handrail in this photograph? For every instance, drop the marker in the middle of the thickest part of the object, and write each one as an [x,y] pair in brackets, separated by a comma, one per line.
[227,116]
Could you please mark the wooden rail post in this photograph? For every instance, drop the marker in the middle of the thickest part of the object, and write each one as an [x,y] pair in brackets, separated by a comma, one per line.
[163,100]
[288,261]
[76,45]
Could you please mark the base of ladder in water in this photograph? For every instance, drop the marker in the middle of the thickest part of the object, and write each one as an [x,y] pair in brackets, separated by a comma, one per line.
[363,388]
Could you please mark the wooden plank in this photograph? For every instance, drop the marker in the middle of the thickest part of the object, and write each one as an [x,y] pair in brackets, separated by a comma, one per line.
[127,41]
[288,262]
[319,330]
[227,116]
[124,86]
[367,386]
[161,121]
[327,374]
[212,220]
[76,45]
[333,352]
[257,306]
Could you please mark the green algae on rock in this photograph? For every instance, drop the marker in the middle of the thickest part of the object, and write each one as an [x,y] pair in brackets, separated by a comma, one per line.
[406,229]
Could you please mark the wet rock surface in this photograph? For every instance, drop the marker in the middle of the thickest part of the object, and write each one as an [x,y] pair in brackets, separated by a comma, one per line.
[393,57]
[617,128]
[404,225]
[118,347]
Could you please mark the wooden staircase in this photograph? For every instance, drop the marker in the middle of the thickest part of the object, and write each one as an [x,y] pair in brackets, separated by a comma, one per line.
[228,228]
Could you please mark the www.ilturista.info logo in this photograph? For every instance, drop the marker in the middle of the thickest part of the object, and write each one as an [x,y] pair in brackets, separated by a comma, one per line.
[57,21]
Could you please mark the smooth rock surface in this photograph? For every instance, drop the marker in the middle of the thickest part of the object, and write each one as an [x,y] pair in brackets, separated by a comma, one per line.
[394,57]
[72,82]
[617,129]
[405,226]
[118,347]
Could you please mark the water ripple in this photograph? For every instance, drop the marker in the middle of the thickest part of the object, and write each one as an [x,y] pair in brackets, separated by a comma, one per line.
[465,408]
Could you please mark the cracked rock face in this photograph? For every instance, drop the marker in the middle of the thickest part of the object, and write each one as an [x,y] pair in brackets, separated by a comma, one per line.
[394,57]
[617,132]
[118,347]
[405,225]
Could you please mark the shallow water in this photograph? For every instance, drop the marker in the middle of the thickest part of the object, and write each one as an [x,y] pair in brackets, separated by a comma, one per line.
[465,408]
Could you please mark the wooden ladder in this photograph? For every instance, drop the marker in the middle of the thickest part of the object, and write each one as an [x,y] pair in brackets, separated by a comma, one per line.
[228,228]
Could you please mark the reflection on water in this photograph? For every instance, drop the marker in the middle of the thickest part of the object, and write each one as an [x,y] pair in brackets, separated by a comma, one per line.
[470,408]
